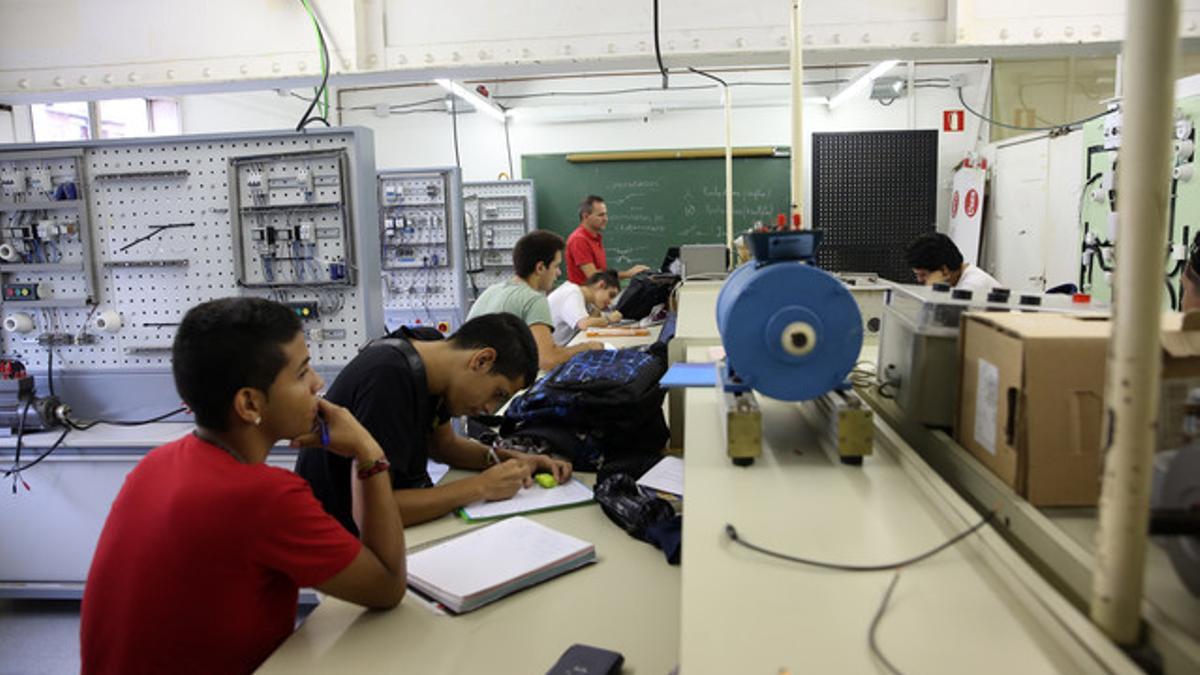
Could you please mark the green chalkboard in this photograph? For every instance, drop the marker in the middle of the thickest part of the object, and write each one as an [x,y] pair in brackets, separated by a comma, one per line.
[655,204]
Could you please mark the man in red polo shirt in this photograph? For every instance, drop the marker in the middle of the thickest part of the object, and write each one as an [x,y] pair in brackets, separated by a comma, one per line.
[585,246]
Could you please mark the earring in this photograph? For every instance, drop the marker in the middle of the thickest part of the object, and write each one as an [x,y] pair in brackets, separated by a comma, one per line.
[257,421]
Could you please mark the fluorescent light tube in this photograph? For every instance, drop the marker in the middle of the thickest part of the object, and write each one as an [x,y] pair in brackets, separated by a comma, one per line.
[861,83]
[478,102]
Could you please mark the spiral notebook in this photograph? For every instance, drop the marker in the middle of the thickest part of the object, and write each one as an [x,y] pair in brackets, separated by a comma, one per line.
[469,571]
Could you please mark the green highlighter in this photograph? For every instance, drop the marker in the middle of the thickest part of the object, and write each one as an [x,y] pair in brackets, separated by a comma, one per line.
[545,480]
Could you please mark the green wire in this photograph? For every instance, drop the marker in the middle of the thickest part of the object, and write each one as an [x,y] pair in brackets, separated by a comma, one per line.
[324,64]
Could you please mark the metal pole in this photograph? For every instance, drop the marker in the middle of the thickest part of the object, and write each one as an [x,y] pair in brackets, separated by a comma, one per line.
[797,113]
[1135,355]
[728,94]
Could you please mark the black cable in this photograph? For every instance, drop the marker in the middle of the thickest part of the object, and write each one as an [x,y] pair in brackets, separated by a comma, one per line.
[314,118]
[50,368]
[84,426]
[732,533]
[871,642]
[454,131]
[1064,125]
[15,471]
[709,76]
[657,50]
[304,119]
[38,459]
[155,230]
[1171,295]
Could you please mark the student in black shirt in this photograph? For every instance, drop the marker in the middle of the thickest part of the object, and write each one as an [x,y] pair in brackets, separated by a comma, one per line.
[405,389]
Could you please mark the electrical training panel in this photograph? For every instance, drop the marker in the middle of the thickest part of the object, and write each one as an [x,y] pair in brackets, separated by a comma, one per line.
[498,213]
[422,248]
[290,222]
[106,244]
[1098,226]
[45,241]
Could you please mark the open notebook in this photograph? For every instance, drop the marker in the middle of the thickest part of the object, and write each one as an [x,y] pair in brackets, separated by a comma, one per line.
[490,562]
[529,500]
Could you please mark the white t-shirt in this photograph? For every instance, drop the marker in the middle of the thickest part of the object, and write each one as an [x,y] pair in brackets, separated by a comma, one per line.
[566,309]
[976,280]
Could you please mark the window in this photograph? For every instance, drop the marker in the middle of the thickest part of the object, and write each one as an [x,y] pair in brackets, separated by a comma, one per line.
[61,121]
[112,118]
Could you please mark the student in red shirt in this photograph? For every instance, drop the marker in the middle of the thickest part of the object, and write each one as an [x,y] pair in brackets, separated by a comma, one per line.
[585,246]
[201,559]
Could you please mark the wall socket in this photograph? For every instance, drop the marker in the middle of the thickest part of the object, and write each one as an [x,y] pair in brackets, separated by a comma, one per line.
[958,80]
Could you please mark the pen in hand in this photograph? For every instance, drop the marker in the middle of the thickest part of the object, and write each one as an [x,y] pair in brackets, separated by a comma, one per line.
[323,429]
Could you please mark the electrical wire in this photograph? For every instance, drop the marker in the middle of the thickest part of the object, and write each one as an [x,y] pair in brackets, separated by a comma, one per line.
[84,426]
[508,148]
[50,368]
[417,111]
[1065,125]
[657,49]
[155,230]
[454,131]
[871,641]
[399,106]
[641,90]
[16,470]
[710,76]
[732,533]
[322,90]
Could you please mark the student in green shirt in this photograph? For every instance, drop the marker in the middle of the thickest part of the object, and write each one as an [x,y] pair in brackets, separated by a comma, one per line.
[537,262]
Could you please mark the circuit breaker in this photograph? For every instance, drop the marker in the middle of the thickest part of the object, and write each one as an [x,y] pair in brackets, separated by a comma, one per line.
[498,213]
[291,225]
[421,247]
[45,241]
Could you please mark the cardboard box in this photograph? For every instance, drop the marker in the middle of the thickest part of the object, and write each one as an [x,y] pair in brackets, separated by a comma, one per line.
[1031,398]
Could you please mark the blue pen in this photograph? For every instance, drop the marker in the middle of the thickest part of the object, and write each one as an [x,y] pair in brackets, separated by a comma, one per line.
[324,431]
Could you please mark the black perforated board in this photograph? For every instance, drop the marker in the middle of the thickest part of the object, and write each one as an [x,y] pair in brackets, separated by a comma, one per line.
[872,193]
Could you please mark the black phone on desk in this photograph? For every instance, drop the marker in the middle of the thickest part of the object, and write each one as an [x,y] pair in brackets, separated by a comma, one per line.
[587,660]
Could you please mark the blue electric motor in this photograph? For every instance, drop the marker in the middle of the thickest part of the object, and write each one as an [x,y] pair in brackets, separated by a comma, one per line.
[790,330]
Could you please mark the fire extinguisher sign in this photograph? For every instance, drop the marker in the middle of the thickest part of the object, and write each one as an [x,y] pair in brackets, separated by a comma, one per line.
[952,120]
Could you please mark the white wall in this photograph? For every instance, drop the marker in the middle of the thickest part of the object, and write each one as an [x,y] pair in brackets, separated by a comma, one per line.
[761,117]
[245,111]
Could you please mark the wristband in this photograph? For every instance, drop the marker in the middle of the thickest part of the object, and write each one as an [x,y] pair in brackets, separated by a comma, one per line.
[373,468]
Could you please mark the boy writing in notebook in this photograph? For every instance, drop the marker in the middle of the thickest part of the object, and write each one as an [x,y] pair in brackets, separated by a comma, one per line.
[578,307]
[405,389]
[201,559]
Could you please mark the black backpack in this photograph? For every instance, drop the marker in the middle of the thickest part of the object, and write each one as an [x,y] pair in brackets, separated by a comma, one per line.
[598,406]
[646,291]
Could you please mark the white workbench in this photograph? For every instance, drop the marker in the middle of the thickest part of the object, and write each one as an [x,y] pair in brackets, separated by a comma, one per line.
[955,613]
[628,602]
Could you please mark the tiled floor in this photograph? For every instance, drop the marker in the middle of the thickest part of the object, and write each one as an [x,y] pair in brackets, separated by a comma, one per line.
[41,637]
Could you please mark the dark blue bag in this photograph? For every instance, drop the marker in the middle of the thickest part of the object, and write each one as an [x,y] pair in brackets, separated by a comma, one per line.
[600,404]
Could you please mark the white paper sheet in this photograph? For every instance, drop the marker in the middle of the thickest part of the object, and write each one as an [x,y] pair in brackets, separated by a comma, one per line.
[666,476]
[536,498]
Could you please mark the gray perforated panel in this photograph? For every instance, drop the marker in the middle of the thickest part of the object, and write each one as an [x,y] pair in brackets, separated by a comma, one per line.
[162,235]
[873,193]
[421,240]
[498,213]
